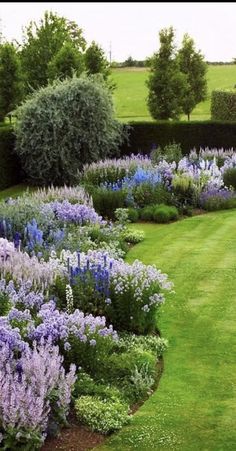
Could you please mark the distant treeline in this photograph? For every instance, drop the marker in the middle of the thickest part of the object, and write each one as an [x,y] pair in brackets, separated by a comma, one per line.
[130,62]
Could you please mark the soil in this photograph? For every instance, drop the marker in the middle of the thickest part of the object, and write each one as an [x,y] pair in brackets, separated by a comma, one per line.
[79,438]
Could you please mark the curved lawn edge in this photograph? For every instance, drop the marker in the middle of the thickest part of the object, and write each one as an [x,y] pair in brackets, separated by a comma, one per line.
[195,405]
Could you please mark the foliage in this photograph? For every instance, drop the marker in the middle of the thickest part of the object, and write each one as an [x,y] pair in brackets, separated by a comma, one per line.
[10,80]
[165,213]
[229,178]
[146,213]
[166,83]
[103,416]
[192,64]
[223,105]
[217,199]
[170,152]
[95,61]
[86,385]
[146,194]
[133,236]
[150,343]
[41,44]
[61,127]
[133,214]
[106,202]
[67,62]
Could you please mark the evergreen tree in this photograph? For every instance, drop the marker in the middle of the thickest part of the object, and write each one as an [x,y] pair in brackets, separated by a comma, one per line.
[166,83]
[192,64]
[66,62]
[96,62]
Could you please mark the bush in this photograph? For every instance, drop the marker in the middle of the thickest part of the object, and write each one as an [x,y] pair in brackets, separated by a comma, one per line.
[63,126]
[133,214]
[148,194]
[146,213]
[151,343]
[223,105]
[170,152]
[103,416]
[133,236]
[10,168]
[229,178]
[121,366]
[107,201]
[163,214]
[216,199]
[144,136]
[85,385]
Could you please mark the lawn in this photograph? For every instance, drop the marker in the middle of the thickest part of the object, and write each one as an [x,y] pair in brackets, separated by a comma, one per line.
[130,95]
[195,406]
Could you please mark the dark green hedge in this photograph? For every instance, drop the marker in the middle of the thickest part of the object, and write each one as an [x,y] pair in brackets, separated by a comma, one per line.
[10,171]
[223,105]
[145,135]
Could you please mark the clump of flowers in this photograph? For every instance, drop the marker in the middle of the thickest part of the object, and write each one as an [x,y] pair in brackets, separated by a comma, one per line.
[30,387]
[77,213]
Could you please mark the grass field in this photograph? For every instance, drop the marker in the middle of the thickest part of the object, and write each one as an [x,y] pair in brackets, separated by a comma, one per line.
[130,95]
[194,408]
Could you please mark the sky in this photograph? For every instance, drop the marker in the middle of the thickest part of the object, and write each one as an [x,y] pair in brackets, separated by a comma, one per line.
[131,29]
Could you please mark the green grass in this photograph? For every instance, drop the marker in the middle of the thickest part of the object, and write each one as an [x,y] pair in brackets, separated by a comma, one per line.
[194,408]
[131,93]
[14,191]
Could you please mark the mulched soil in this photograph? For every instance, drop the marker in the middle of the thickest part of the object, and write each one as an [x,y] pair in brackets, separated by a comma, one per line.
[78,438]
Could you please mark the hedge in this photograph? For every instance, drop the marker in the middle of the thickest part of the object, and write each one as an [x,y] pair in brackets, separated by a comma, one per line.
[143,137]
[223,105]
[10,170]
[146,135]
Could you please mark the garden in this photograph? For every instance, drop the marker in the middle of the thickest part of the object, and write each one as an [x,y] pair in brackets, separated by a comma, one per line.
[79,325]
[117,269]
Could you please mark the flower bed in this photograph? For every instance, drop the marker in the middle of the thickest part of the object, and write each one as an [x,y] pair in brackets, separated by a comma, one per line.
[75,319]
[187,183]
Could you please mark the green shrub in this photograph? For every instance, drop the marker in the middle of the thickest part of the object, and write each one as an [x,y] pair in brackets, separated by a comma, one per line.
[63,126]
[214,203]
[229,178]
[133,214]
[143,136]
[146,214]
[121,366]
[184,191]
[164,213]
[170,152]
[106,201]
[85,385]
[223,105]
[103,416]
[147,194]
[133,236]
[150,343]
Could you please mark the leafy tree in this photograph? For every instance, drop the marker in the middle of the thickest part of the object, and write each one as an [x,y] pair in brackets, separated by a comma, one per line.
[10,79]
[192,64]
[96,62]
[41,43]
[166,83]
[62,126]
[66,62]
